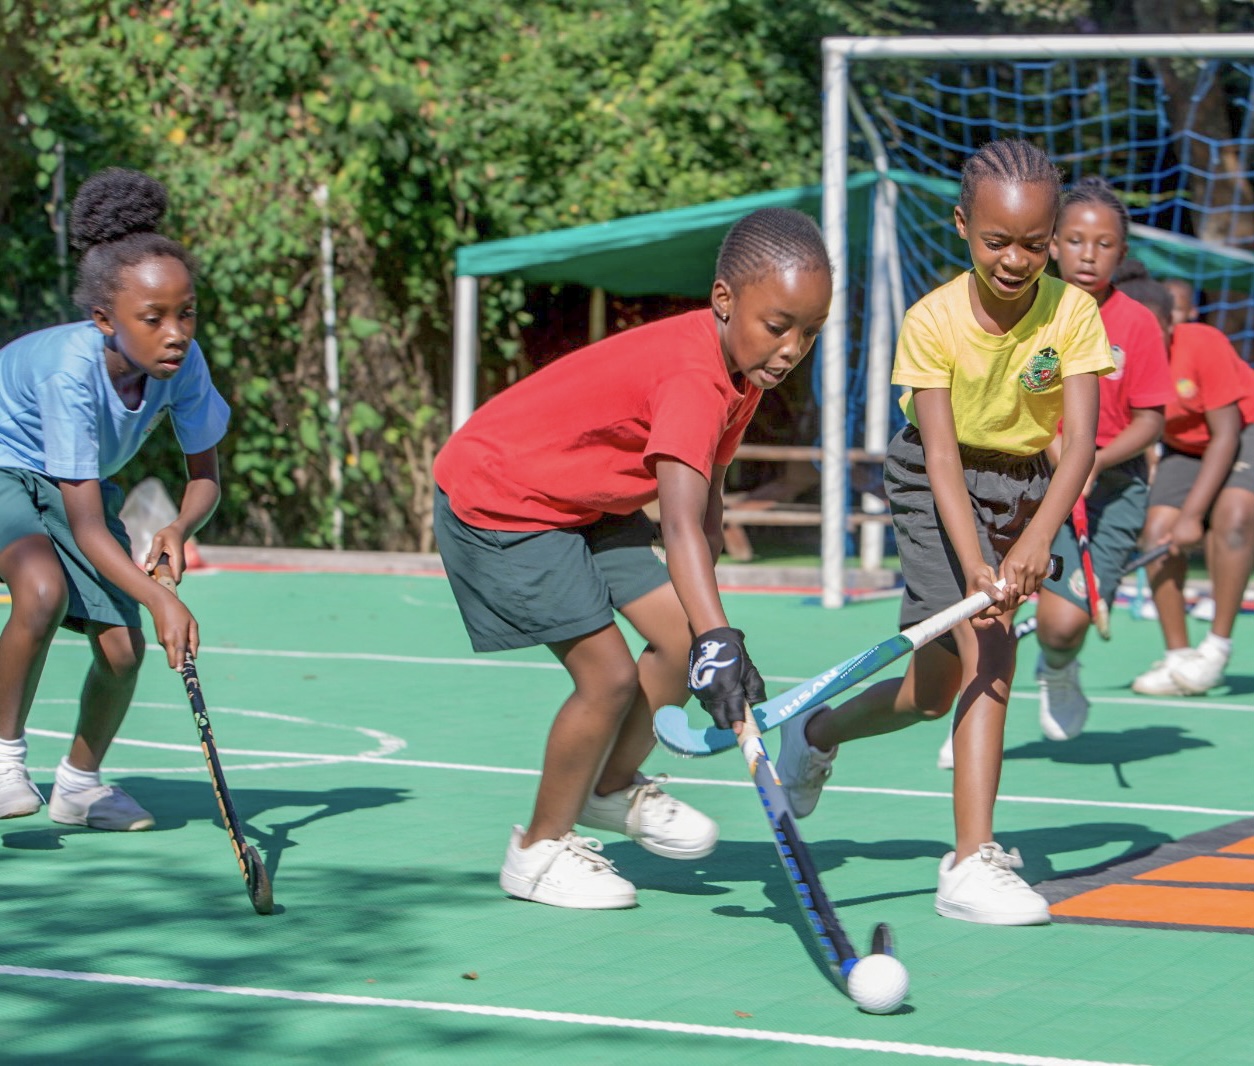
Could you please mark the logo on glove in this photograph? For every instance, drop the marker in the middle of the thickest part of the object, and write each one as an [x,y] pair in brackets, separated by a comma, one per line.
[704,666]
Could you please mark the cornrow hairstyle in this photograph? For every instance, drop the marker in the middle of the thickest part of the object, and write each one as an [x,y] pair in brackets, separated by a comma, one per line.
[1132,279]
[1096,190]
[770,240]
[1006,162]
[113,223]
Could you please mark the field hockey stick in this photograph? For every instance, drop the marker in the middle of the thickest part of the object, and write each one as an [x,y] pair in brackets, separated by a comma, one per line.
[883,985]
[1098,610]
[256,878]
[670,724]
[1028,625]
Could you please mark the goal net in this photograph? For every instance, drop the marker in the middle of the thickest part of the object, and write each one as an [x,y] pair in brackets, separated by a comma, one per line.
[1168,121]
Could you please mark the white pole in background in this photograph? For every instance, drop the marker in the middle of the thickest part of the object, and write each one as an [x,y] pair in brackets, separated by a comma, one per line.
[835,332]
[465,347]
[331,359]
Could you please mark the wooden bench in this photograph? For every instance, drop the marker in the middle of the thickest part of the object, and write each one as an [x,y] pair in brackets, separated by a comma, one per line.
[798,514]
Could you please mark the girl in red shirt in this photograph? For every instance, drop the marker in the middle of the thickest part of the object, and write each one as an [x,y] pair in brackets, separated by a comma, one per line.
[1091,242]
[538,518]
[1205,479]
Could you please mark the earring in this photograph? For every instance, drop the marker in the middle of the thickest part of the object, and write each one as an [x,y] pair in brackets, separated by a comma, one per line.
[724,316]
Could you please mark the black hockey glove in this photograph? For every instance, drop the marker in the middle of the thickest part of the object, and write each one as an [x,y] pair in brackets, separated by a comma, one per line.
[721,676]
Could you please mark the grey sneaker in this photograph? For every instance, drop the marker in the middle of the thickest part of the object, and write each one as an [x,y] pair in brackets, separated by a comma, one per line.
[18,794]
[656,821]
[1064,707]
[570,872]
[102,807]
[984,888]
[802,770]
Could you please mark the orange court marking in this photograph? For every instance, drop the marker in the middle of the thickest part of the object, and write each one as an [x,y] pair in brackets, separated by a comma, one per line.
[1241,847]
[1163,905]
[1204,870]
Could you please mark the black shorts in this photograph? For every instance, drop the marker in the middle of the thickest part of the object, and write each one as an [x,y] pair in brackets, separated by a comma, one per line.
[1005,492]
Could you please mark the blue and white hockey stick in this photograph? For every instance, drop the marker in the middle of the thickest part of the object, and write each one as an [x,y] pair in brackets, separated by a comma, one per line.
[671,723]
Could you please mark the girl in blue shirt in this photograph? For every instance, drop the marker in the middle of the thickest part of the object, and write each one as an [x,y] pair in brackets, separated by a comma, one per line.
[76,403]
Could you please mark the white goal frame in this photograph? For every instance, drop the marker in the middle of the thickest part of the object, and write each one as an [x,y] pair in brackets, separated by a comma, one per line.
[838,105]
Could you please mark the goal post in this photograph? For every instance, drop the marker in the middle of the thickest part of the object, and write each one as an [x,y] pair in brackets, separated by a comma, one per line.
[1169,120]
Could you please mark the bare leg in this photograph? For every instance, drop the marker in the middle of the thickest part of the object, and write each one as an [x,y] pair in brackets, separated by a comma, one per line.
[1166,577]
[606,686]
[32,570]
[988,658]
[663,674]
[1061,627]
[1231,543]
[107,690]
[926,692]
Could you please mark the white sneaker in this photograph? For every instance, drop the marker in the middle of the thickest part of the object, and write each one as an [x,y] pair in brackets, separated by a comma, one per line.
[1200,670]
[102,807]
[984,888]
[569,872]
[1203,610]
[1157,681]
[18,794]
[656,821]
[1064,707]
[945,757]
[802,770]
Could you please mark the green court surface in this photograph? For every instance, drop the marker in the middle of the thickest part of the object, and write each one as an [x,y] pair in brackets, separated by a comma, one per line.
[378,766]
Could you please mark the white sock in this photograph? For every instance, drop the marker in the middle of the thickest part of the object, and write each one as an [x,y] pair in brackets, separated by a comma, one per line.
[71,779]
[13,751]
[1220,644]
[1177,653]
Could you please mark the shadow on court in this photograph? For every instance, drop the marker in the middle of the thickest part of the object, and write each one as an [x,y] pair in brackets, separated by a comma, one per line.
[176,803]
[1115,750]
[735,862]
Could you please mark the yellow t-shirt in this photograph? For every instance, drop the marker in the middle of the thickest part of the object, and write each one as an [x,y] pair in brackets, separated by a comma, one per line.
[1006,391]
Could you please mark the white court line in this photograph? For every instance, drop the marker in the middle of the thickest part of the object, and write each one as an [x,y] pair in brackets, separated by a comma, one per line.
[1200,703]
[890,1047]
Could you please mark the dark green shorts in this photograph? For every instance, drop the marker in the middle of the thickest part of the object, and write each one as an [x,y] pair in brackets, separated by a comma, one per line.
[31,505]
[516,590]
[1116,514]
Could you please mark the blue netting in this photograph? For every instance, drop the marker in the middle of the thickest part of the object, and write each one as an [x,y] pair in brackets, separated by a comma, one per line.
[1176,143]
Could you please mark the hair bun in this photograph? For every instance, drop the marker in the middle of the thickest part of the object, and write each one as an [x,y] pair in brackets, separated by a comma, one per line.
[114,204]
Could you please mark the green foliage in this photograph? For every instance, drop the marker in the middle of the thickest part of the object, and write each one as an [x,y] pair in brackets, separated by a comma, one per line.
[432,123]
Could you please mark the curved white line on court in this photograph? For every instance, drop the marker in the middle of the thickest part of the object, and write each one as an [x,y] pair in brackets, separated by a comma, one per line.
[385,743]
[889,1047]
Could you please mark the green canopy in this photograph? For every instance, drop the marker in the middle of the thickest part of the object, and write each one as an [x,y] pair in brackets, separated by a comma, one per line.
[663,252]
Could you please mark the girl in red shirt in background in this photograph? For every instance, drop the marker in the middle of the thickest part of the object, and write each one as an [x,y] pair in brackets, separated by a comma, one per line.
[538,518]
[1205,479]
[1091,242]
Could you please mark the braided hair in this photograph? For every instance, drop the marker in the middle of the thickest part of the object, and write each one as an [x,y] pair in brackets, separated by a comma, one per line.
[1006,162]
[770,240]
[1095,190]
[113,224]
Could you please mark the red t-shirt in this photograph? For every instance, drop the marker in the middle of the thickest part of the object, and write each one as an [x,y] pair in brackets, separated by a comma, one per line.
[579,438]
[1142,377]
[1208,374]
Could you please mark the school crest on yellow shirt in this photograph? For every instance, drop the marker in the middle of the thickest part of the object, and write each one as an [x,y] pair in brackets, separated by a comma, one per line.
[1041,371]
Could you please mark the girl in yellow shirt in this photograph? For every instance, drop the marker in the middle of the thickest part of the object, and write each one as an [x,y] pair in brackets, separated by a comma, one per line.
[992,361]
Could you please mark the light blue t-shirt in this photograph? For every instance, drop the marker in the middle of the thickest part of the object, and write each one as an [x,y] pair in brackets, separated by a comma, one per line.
[60,414]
